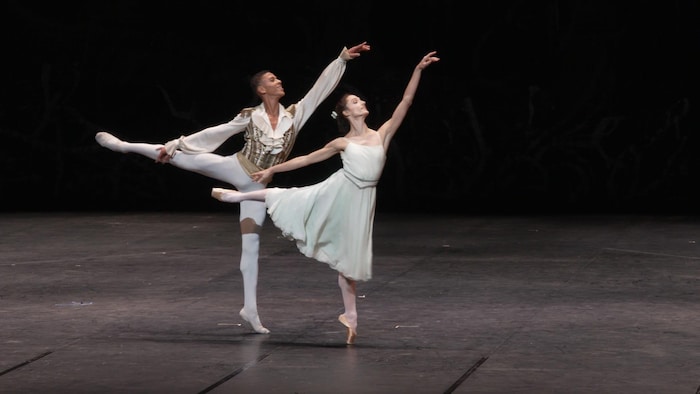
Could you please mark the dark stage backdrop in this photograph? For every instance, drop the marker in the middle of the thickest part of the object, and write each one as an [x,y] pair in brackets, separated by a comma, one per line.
[536,106]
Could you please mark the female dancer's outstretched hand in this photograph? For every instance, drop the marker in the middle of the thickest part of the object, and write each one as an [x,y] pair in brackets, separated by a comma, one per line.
[263,176]
[427,60]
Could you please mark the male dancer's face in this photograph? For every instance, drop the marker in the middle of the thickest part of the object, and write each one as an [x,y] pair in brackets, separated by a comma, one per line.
[270,86]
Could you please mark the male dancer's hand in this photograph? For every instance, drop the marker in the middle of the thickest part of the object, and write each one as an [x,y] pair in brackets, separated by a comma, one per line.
[349,54]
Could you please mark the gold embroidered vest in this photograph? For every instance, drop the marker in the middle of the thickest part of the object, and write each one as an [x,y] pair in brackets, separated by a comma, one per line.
[261,151]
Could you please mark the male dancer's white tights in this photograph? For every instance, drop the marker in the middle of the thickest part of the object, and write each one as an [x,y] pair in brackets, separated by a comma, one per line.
[226,169]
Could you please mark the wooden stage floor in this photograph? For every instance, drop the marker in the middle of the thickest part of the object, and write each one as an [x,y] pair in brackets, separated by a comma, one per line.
[148,303]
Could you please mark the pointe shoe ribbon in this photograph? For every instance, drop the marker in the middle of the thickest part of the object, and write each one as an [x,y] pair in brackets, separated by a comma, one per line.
[352,334]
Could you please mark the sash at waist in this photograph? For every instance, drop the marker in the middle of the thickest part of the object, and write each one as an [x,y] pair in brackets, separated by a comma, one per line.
[359,182]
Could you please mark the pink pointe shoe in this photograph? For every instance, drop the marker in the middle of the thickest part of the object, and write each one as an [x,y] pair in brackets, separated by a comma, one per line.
[225,195]
[352,334]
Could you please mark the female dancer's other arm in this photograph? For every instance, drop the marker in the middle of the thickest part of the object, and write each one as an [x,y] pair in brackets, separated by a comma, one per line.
[329,150]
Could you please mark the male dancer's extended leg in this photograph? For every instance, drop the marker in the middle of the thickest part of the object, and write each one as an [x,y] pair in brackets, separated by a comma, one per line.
[252,213]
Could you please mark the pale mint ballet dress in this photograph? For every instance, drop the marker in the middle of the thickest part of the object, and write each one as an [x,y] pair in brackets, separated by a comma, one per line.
[332,221]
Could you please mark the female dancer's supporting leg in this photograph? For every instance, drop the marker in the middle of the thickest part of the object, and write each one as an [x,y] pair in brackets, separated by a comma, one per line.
[349,318]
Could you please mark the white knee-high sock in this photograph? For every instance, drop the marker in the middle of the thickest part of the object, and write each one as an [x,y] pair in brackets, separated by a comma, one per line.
[249,268]
[250,247]
[348,290]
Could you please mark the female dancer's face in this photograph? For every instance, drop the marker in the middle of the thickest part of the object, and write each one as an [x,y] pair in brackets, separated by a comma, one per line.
[355,106]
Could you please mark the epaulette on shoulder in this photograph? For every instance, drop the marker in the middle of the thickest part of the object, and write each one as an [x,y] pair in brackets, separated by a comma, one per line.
[292,109]
[247,111]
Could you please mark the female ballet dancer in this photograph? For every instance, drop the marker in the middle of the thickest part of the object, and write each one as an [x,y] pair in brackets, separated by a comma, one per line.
[332,221]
